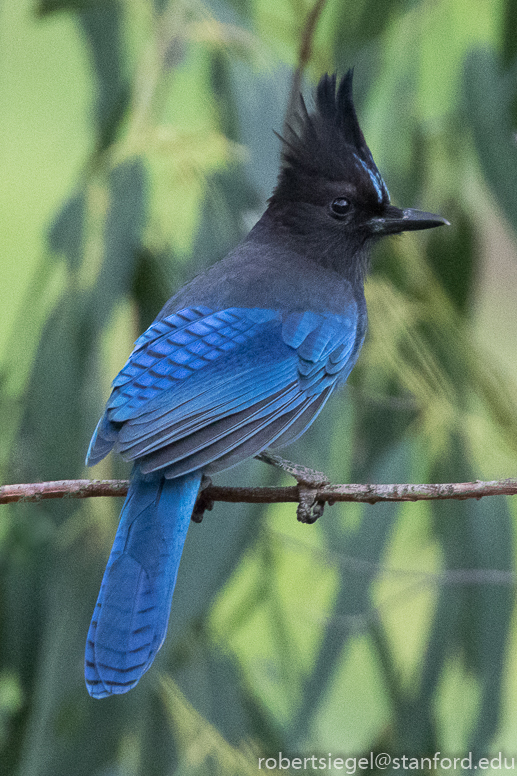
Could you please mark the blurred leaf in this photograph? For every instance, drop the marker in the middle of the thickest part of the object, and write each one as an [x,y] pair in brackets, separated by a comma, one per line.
[102,27]
[242,7]
[475,536]
[122,237]
[453,258]
[152,284]
[48,441]
[490,94]
[359,25]
[260,102]
[11,701]
[45,7]
[492,533]
[66,234]
[228,203]
[52,442]
[213,754]
[508,38]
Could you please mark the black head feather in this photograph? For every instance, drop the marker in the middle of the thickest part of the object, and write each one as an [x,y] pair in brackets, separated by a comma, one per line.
[328,144]
[331,204]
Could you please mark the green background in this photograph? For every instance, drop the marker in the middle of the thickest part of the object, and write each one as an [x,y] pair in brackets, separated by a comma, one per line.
[136,148]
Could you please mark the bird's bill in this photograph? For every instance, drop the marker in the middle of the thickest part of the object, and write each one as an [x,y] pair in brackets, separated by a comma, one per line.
[395,220]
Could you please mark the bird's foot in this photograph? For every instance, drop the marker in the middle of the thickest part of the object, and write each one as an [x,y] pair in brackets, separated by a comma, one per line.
[310,508]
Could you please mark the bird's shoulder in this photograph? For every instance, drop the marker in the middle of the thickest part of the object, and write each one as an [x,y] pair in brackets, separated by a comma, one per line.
[266,274]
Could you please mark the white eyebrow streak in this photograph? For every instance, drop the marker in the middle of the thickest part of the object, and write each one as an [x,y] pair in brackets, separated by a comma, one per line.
[375,177]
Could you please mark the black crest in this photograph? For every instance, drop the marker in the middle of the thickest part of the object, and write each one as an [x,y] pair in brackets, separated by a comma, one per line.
[328,143]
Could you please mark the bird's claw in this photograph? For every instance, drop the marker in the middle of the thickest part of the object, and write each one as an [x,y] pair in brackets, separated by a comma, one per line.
[310,507]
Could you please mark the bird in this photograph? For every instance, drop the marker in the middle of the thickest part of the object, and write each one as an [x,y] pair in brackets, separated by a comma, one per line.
[241,359]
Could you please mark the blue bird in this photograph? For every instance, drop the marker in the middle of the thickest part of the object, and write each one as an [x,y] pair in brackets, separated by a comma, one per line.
[241,359]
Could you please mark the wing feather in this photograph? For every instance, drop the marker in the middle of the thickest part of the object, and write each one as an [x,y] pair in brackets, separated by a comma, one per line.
[205,389]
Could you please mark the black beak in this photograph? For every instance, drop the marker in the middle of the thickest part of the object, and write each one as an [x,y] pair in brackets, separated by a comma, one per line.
[395,220]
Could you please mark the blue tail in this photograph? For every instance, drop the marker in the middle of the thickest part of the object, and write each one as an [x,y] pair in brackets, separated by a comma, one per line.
[132,611]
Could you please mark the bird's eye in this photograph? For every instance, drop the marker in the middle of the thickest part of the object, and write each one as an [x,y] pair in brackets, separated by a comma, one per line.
[340,206]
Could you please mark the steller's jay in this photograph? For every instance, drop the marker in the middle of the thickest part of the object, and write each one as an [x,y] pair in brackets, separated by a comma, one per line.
[242,358]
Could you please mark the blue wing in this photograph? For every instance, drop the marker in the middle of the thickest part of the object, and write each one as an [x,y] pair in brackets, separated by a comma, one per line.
[205,389]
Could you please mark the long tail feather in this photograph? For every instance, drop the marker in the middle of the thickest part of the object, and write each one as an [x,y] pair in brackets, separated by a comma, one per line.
[130,619]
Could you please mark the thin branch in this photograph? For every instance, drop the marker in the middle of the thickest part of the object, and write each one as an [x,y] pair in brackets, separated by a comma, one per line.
[39,491]
[304,56]
[326,493]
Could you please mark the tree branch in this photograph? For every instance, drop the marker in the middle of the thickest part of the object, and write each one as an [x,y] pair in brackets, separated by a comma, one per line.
[304,54]
[325,493]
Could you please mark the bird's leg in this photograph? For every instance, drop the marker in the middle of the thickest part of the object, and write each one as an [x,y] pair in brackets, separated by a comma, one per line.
[300,473]
[310,508]
[202,503]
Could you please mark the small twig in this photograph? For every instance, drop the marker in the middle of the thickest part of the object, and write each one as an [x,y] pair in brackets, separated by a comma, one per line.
[370,494]
[304,55]
[309,31]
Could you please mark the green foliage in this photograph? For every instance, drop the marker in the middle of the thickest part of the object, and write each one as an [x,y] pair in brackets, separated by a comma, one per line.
[138,149]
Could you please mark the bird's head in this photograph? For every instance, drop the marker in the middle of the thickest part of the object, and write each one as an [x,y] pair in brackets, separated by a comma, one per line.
[330,196]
